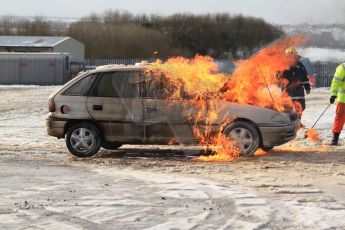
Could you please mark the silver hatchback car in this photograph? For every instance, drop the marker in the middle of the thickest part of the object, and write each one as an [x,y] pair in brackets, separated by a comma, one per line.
[115,105]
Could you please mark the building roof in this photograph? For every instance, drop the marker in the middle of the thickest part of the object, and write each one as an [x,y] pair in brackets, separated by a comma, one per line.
[31,41]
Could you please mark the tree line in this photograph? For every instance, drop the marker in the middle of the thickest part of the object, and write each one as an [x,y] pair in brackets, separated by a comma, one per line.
[120,34]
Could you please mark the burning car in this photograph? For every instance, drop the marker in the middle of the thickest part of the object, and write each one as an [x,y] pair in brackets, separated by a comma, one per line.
[115,105]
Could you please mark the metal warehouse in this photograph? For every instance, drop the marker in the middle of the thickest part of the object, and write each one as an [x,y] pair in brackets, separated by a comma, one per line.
[47,44]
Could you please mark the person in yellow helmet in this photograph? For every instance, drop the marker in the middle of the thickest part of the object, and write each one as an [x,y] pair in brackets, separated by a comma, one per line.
[291,50]
[297,81]
[338,92]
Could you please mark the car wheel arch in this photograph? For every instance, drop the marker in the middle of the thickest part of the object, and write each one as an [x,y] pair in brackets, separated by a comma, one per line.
[251,123]
[71,123]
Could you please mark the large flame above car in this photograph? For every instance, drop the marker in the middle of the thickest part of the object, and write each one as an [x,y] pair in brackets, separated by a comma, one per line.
[250,82]
[255,81]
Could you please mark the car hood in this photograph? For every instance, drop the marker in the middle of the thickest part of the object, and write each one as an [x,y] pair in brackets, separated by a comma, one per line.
[257,114]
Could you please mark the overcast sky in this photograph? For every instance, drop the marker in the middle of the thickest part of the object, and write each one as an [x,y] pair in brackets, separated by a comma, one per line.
[274,11]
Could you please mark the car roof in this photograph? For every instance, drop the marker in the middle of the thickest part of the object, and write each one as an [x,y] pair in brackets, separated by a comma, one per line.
[115,67]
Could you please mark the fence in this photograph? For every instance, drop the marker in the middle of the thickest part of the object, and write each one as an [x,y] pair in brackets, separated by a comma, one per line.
[57,71]
[324,73]
[39,71]
[48,70]
[76,66]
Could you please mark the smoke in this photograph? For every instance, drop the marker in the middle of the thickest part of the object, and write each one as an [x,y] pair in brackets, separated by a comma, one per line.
[315,12]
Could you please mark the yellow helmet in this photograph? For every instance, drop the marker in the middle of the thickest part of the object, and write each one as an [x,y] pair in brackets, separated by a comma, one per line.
[291,50]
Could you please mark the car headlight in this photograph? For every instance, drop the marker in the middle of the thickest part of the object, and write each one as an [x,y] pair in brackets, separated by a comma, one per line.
[281,117]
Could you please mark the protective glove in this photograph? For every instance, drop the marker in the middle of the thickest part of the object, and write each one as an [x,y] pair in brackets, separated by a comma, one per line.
[308,91]
[332,99]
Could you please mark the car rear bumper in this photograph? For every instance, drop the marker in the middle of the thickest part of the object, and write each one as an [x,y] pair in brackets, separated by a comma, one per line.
[55,127]
[274,136]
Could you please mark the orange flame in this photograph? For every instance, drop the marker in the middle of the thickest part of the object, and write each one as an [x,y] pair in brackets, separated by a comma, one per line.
[292,148]
[195,77]
[260,152]
[196,80]
[298,107]
[223,146]
[249,81]
[313,135]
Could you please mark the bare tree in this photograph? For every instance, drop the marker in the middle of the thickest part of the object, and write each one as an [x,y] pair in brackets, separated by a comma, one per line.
[120,34]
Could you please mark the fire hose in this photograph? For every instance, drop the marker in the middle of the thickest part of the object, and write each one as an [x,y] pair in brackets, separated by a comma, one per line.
[321,115]
[305,135]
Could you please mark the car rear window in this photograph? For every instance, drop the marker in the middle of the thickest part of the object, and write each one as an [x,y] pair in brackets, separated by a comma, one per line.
[81,87]
[122,84]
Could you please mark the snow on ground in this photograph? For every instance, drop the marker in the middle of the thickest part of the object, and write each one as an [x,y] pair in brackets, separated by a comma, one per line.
[118,199]
[300,185]
[323,54]
[317,102]
[23,112]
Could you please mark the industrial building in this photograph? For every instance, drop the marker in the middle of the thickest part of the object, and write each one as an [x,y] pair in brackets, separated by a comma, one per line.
[44,44]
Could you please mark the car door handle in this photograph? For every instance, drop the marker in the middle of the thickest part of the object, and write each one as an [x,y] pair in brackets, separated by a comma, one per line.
[97,107]
[151,109]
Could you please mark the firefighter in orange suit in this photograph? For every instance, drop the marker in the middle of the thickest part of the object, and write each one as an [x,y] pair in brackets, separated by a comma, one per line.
[338,92]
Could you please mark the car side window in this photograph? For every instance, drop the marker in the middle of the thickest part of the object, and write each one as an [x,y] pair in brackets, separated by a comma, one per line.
[119,84]
[154,88]
[159,87]
[81,87]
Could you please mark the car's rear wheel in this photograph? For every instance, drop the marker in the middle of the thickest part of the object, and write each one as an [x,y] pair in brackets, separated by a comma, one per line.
[245,137]
[83,139]
[111,145]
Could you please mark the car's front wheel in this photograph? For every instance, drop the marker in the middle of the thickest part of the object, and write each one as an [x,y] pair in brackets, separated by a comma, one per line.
[83,139]
[245,137]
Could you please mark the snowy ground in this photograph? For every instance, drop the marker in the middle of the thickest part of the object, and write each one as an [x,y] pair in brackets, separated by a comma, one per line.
[323,54]
[298,186]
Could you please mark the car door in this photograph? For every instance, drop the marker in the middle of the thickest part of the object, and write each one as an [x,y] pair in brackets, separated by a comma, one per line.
[115,103]
[166,120]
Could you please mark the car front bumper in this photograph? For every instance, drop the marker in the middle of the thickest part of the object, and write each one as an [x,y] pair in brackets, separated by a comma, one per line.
[274,136]
[55,127]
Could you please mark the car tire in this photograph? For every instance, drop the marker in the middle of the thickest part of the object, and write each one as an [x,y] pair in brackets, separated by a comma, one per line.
[246,135]
[267,149]
[111,145]
[83,139]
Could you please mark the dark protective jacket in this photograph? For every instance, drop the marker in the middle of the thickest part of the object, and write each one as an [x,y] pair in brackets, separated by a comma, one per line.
[298,81]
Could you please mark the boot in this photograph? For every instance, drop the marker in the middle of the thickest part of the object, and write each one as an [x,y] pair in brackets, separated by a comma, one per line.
[335,139]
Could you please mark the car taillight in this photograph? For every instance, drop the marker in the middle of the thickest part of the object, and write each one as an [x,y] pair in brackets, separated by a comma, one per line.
[51,106]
